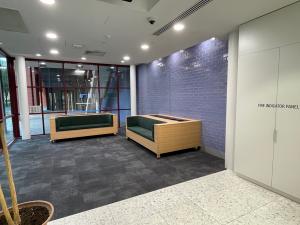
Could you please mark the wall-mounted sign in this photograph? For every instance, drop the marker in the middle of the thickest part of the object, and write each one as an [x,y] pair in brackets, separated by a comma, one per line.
[279,106]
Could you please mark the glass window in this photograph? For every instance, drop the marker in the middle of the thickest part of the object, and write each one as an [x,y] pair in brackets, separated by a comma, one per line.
[5,99]
[53,99]
[124,98]
[123,116]
[59,88]
[36,124]
[34,100]
[109,99]
[5,87]
[80,75]
[8,126]
[124,76]
[32,73]
[108,77]
[51,74]
[83,100]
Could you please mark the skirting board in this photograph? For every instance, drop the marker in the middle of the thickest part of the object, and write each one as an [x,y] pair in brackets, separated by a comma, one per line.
[268,188]
[214,152]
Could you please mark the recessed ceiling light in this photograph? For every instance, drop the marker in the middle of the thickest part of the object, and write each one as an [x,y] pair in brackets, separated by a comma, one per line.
[79,65]
[126,58]
[48,2]
[83,58]
[43,63]
[79,72]
[178,26]
[145,46]
[38,55]
[58,75]
[122,61]
[112,67]
[54,51]
[1,43]
[213,38]
[51,35]
[181,51]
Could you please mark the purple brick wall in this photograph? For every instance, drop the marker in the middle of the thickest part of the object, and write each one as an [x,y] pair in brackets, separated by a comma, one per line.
[190,83]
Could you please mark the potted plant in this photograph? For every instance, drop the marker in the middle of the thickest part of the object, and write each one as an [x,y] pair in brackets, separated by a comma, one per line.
[28,213]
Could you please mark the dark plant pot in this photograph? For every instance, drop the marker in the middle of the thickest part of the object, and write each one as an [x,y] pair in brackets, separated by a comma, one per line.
[38,203]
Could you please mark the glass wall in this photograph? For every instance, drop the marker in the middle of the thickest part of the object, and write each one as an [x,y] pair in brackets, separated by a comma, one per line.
[72,88]
[82,82]
[5,99]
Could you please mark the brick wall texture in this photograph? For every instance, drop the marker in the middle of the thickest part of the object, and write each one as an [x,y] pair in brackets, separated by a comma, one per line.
[189,83]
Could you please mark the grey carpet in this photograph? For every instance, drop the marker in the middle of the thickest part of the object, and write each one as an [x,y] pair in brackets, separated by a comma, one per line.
[81,174]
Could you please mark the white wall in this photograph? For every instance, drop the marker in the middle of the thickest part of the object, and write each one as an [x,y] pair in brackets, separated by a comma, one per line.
[271,31]
[268,73]
[133,90]
[233,43]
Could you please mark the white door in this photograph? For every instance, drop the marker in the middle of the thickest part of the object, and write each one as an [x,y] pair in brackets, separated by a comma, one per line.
[286,175]
[257,84]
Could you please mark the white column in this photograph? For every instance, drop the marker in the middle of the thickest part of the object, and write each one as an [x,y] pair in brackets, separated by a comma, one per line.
[133,90]
[233,48]
[23,97]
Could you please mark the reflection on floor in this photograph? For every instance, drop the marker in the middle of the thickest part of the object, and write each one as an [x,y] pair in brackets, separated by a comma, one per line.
[221,198]
[78,175]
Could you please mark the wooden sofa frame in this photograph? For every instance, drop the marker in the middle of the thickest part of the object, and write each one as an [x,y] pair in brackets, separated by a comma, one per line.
[59,135]
[170,136]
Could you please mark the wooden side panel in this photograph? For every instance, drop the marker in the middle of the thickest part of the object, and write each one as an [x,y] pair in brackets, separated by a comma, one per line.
[178,136]
[52,128]
[81,133]
[141,140]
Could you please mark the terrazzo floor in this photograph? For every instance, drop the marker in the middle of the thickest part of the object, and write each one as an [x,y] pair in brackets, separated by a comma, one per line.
[220,198]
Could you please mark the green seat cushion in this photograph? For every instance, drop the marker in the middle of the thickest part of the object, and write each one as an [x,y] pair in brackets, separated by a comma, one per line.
[83,122]
[143,132]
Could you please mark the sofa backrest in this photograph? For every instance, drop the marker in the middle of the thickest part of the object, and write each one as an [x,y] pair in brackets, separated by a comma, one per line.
[65,121]
[141,121]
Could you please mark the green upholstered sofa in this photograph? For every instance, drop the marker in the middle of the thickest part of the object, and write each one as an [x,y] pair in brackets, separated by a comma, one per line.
[162,133]
[142,126]
[62,127]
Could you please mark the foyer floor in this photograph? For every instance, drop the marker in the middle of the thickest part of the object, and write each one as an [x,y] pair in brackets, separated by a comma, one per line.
[221,198]
[82,174]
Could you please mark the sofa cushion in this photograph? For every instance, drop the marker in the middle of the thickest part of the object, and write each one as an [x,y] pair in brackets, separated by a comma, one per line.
[144,122]
[142,126]
[83,122]
[143,132]
[81,127]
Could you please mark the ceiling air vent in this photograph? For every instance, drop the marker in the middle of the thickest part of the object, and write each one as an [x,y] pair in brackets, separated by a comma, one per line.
[95,53]
[182,16]
[11,20]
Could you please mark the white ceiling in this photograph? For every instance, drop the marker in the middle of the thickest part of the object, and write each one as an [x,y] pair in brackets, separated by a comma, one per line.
[88,22]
